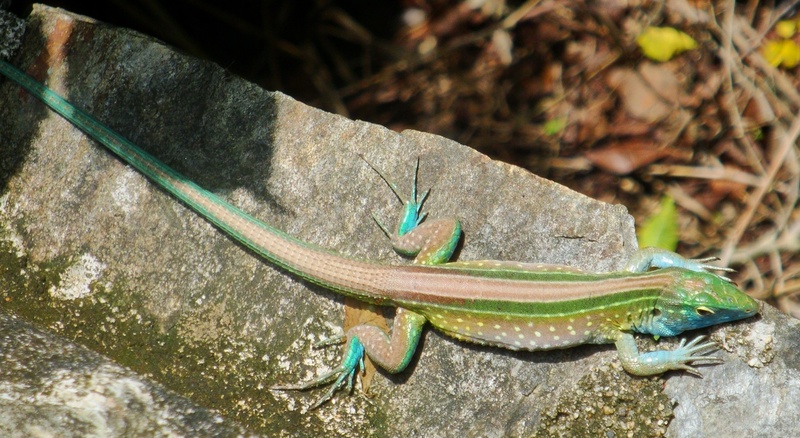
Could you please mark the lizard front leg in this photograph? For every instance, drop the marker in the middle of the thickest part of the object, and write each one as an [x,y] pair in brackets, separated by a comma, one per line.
[659,361]
[430,243]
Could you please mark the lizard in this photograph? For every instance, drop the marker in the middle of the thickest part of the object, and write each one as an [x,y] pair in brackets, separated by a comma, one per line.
[506,304]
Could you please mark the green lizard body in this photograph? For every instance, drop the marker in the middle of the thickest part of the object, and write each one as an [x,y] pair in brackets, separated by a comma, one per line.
[519,306]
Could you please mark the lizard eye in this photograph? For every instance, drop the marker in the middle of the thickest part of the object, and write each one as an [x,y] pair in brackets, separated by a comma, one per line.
[704,311]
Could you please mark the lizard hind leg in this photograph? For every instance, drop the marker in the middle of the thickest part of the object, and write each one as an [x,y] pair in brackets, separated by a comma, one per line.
[390,352]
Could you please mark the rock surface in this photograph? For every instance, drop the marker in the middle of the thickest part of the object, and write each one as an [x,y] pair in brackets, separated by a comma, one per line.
[51,387]
[95,253]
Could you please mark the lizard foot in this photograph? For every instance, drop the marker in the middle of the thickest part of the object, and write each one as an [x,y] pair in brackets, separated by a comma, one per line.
[660,361]
[344,375]
[694,351]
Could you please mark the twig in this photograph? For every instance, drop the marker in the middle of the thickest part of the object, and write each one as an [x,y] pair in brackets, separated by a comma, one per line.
[688,202]
[705,172]
[788,242]
[786,145]
[729,101]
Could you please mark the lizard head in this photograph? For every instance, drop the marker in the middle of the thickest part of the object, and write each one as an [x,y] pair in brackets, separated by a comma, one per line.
[696,300]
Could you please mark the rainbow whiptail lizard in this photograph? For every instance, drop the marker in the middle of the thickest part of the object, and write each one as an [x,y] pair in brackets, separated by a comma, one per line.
[519,306]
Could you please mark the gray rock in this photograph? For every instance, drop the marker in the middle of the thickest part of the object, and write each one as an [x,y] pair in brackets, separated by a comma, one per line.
[97,254]
[11,29]
[51,387]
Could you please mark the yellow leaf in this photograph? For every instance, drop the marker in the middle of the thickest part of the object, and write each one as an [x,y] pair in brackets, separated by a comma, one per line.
[784,53]
[786,28]
[663,43]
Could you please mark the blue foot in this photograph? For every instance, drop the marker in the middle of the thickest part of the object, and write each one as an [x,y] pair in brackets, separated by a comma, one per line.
[344,375]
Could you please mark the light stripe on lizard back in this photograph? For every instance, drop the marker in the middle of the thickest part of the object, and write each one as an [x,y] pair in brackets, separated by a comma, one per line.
[452,287]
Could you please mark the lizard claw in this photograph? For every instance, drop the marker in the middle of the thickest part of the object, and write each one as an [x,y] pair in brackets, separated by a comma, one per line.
[700,265]
[660,258]
[344,375]
[693,352]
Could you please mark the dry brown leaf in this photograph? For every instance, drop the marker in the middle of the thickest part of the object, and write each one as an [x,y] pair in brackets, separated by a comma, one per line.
[758,110]
[638,97]
[625,157]
[662,80]
[623,126]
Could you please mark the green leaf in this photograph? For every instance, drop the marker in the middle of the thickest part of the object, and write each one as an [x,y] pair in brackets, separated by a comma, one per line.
[663,43]
[555,126]
[661,229]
